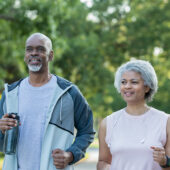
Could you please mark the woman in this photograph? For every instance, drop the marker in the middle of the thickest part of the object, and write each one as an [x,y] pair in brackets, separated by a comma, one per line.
[137,136]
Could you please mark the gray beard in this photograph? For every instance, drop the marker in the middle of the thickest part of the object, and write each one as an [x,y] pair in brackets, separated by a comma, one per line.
[34,68]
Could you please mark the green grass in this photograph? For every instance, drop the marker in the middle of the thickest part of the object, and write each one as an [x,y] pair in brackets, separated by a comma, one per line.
[1,162]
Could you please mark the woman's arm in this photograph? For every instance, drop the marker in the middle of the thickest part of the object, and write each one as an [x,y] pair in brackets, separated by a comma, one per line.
[162,155]
[105,157]
[167,146]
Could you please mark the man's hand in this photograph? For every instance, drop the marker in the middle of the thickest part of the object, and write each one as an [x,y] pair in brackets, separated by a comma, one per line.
[61,158]
[159,155]
[7,123]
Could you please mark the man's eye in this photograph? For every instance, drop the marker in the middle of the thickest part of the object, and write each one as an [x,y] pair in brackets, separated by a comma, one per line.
[40,49]
[135,82]
[29,49]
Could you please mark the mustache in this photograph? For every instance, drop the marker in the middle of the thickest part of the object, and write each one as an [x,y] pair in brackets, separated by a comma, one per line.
[34,57]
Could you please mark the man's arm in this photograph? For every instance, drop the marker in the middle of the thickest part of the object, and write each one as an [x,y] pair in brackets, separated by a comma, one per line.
[83,120]
[1,114]
[6,123]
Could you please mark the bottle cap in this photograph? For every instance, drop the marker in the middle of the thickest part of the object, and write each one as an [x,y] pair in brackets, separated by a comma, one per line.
[16,116]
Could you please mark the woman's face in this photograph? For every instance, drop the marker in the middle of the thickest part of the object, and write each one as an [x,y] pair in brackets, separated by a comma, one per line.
[132,87]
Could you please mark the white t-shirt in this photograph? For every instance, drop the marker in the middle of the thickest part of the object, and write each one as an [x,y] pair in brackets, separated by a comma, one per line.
[33,106]
[130,138]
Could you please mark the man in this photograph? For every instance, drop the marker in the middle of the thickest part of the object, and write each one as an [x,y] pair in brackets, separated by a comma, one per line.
[49,107]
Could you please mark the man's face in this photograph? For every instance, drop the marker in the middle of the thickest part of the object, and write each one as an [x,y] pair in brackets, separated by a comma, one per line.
[37,54]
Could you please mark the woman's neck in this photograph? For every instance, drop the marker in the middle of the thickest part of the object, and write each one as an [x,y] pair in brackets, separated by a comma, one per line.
[137,109]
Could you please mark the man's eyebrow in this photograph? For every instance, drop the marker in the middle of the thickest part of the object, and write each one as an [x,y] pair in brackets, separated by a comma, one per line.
[35,46]
[40,46]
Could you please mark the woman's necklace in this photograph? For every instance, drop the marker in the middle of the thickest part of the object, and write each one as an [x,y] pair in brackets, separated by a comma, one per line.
[139,112]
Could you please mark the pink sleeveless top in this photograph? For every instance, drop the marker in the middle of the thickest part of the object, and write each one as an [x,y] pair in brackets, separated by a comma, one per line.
[130,138]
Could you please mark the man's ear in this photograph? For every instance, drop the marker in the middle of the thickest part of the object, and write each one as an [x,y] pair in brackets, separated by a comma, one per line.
[51,55]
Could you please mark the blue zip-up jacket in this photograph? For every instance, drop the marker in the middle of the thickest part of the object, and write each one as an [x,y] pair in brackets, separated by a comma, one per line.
[68,110]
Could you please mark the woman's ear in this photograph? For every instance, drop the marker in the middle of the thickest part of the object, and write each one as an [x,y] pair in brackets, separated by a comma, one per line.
[147,88]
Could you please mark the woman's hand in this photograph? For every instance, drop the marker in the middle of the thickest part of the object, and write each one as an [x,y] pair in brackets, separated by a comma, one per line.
[159,155]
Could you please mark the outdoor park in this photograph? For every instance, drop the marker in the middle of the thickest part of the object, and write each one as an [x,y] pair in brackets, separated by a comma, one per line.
[91,39]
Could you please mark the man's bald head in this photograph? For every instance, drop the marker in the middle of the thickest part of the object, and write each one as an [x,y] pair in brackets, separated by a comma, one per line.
[41,37]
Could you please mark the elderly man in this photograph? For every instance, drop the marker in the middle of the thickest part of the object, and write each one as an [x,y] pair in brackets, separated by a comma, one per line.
[49,107]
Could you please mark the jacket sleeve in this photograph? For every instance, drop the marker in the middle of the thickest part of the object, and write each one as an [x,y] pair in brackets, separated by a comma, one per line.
[1,114]
[83,120]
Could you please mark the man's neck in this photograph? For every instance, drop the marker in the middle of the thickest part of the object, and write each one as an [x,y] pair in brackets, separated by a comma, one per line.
[39,79]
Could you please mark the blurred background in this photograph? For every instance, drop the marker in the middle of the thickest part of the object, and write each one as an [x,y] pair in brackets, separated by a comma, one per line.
[91,38]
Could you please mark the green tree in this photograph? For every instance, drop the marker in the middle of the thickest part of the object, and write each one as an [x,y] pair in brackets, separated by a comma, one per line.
[89,43]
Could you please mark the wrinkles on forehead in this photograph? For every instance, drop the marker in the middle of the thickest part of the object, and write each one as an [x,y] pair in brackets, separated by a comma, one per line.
[41,37]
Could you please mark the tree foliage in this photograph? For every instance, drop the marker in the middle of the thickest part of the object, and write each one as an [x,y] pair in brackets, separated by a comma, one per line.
[89,43]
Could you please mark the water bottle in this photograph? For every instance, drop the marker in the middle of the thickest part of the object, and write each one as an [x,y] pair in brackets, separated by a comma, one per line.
[11,137]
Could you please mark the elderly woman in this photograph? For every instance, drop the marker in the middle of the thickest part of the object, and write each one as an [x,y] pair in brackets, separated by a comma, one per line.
[136,137]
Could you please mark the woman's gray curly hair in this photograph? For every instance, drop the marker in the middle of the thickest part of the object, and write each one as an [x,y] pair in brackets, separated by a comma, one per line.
[147,72]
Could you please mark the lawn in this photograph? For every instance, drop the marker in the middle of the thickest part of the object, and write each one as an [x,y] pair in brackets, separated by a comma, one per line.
[1,161]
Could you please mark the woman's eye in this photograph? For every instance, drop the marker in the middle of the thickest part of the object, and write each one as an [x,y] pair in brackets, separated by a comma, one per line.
[135,82]
[123,82]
